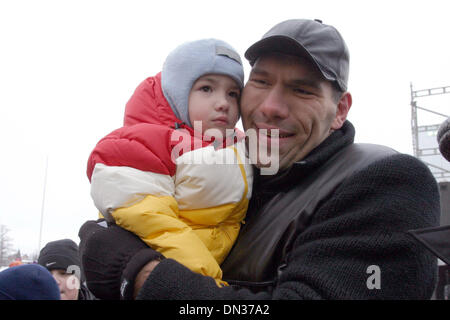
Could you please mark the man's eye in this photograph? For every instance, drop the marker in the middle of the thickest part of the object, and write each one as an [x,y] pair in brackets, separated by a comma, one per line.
[302,91]
[259,81]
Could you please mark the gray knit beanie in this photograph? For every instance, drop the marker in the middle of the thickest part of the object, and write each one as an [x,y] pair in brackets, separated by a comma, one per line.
[190,61]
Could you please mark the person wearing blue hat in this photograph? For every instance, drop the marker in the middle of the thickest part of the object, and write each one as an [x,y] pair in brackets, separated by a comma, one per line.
[28,282]
[176,173]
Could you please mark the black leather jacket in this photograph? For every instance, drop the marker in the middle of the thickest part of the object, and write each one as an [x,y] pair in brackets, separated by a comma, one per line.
[290,199]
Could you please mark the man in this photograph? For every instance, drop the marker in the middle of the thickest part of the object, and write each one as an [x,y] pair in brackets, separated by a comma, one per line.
[61,258]
[437,239]
[331,224]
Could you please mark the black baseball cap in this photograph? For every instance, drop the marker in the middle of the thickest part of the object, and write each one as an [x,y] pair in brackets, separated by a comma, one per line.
[322,44]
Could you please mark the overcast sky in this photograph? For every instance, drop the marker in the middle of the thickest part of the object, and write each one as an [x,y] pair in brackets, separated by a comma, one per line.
[67,69]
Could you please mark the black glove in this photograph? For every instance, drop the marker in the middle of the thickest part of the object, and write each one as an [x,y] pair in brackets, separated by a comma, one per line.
[111,258]
[443,137]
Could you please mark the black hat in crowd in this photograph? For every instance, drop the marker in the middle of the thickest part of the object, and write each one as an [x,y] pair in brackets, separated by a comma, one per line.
[60,254]
[322,44]
[443,138]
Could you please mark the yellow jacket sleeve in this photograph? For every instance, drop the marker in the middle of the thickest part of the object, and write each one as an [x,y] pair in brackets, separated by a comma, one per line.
[155,220]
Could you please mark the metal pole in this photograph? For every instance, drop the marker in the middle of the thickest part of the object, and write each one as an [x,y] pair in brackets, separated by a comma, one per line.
[415,134]
[439,114]
[43,204]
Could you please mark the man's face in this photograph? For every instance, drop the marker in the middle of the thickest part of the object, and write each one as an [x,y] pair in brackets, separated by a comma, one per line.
[287,93]
[68,284]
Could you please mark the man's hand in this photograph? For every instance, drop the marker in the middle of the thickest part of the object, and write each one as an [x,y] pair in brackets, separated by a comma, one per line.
[143,275]
[112,258]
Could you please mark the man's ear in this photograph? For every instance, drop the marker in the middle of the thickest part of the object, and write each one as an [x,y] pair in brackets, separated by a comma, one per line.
[343,107]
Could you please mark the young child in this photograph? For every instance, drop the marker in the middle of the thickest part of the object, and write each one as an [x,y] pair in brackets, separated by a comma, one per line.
[165,181]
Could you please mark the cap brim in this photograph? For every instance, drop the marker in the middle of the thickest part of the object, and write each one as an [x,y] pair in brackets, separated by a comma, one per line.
[280,44]
[437,240]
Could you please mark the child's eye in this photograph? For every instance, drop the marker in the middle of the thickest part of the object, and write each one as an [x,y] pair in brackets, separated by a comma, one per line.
[234,94]
[205,88]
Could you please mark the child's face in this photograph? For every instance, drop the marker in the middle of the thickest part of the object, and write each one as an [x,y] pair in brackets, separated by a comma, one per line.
[214,100]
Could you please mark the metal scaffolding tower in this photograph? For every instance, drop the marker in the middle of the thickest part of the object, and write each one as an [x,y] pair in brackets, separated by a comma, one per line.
[424,136]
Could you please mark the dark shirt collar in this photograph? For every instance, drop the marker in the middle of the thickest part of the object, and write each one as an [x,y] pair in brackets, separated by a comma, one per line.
[318,156]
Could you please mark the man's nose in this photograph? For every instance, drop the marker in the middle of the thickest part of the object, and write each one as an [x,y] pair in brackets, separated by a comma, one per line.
[274,104]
